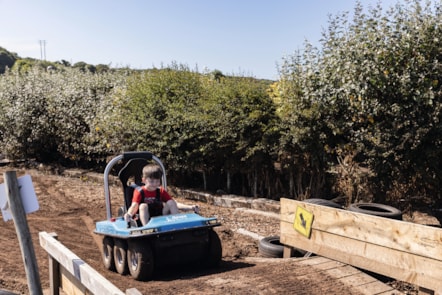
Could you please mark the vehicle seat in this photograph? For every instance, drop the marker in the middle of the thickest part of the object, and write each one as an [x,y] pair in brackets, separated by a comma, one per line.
[131,174]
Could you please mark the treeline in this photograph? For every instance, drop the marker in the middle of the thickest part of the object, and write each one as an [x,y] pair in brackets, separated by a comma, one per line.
[11,60]
[359,117]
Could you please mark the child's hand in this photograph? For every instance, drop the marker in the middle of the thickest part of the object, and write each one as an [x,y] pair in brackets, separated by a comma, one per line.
[127,217]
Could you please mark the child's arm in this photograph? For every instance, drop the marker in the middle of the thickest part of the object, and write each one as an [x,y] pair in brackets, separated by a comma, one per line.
[131,211]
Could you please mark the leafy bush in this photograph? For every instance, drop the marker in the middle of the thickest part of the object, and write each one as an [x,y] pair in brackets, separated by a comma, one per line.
[373,93]
[52,115]
[7,59]
[361,116]
[198,123]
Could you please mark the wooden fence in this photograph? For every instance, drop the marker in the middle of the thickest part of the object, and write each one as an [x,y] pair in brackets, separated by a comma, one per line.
[72,275]
[397,249]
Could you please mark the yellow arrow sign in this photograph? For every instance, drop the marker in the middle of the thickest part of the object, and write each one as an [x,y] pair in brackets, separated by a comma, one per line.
[303,221]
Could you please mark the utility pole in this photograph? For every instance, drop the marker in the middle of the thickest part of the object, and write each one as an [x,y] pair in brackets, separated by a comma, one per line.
[42,49]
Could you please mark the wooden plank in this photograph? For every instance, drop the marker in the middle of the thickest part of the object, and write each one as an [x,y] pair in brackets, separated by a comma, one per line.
[54,272]
[397,249]
[402,266]
[351,276]
[375,288]
[314,260]
[405,236]
[70,285]
[358,279]
[93,281]
[331,264]
[344,271]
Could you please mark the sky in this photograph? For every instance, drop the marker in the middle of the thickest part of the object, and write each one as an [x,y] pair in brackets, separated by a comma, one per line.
[236,37]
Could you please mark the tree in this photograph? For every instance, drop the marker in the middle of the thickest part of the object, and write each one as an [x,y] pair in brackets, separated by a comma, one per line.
[7,59]
[373,94]
[160,114]
[240,116]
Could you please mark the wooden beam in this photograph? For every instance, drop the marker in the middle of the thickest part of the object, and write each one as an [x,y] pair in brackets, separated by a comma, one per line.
[397,249]
[71,285]
[76,269]
[54,272]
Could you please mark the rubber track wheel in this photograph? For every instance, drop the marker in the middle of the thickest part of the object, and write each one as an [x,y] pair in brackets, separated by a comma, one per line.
[376,209]
[120,256]
[140,260]
[108,253]
[215,250]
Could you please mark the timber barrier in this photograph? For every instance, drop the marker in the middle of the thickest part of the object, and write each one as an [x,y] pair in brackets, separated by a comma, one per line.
[72,275]
[397,249]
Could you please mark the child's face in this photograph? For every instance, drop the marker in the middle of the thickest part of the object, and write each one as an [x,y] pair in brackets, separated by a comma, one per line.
[152,183]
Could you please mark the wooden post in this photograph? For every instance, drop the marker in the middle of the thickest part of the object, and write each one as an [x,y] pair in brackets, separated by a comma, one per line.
[54,272]
[23,233]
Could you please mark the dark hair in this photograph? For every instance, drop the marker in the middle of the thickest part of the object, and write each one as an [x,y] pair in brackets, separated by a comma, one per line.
[152,171]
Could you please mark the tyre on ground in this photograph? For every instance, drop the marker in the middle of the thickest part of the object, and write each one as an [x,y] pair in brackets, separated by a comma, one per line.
[271,247]
[376,209]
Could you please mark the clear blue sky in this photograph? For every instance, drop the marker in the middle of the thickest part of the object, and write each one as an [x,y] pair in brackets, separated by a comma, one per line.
[241,37]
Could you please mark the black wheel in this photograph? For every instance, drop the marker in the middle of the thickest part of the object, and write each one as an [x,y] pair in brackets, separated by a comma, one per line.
[323,202]
[108,255]
[271,247]
[215,250]
[377,210]
[120,256]
[140,260]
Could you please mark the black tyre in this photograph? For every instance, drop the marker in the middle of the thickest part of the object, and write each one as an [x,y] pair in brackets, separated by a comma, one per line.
[140,260]
[271,247]
[377,210]
[215,250]
[120,256]
[108,254]
[323,202]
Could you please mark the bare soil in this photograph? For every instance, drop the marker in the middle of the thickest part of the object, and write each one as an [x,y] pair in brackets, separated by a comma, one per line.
[70,206]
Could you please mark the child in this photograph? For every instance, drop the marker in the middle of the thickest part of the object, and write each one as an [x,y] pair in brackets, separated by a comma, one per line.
[156,199]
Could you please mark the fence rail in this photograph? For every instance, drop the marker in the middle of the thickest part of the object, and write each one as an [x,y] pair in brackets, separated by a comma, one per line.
[70,273]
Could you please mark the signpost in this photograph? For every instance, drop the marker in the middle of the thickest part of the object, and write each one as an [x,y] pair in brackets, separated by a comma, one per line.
[14,206]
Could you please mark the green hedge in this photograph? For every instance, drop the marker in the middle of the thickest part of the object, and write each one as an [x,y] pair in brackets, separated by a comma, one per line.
[359,117]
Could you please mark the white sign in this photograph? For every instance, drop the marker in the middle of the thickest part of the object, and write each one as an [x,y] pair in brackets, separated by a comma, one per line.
[27,193]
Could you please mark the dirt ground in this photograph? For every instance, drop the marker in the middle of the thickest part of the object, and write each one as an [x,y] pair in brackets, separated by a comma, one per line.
[70,206]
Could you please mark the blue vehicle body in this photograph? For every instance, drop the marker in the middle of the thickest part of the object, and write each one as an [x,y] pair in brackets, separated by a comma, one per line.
[117,227]
[168,239]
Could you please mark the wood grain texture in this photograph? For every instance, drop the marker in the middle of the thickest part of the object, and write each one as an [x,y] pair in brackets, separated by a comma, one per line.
[397,249]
